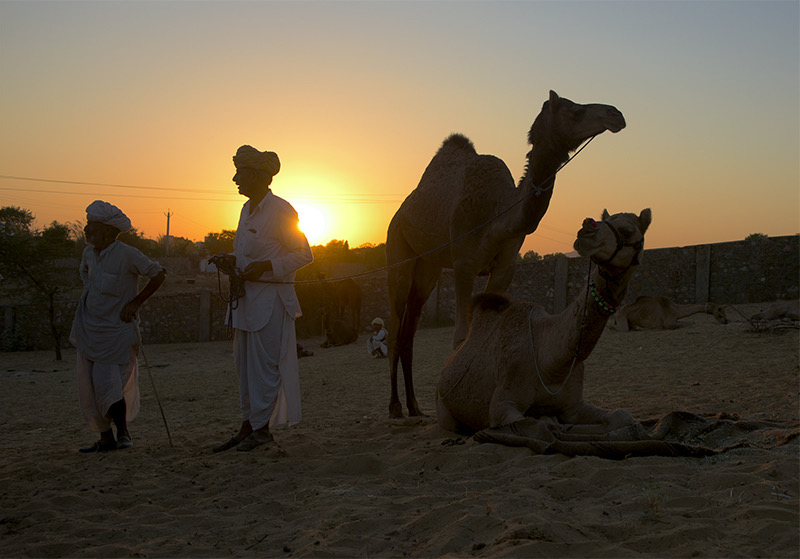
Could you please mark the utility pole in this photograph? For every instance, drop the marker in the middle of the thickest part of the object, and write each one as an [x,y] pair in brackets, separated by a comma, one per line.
[166,239]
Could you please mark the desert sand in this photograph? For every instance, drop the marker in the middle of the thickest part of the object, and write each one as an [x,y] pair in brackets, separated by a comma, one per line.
[351,482]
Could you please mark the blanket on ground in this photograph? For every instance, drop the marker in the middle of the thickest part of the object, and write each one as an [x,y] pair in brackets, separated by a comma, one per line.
[676,434]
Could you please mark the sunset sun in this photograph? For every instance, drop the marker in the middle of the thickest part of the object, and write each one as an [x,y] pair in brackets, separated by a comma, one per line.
[313,223]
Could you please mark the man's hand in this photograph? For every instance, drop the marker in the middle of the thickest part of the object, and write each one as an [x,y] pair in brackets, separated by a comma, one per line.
[255,270]
[129,311]
[225,263]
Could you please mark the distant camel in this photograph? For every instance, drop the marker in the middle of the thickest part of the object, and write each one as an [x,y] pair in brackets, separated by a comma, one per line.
[338,331]
[519,361]
[470,200]
[789,310]
[659,313]
[341,295]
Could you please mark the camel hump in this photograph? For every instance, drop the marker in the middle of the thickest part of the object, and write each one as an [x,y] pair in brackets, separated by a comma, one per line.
[490,302]
[458,141]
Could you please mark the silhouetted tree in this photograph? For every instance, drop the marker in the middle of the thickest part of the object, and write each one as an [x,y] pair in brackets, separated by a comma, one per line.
[372,256]
[178,246]
[531,256]
[220,242]
[36,263]
[136,239]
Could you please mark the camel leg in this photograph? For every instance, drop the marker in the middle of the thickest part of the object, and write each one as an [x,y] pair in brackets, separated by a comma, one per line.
[504,408]
[591,420]
[464,278]
[446,419]
[399,289]
[464,282]
[399,279]
[409,287]
[425,277]
[502,274]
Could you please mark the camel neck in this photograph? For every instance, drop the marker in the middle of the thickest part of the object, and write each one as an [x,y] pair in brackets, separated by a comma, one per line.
[589,311]
[536,188]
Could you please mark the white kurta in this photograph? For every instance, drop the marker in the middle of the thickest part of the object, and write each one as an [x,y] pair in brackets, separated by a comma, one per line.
[264,341]
[378,341]
[106,361]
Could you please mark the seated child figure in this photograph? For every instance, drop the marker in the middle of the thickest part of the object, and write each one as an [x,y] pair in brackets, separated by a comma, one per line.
[376,344]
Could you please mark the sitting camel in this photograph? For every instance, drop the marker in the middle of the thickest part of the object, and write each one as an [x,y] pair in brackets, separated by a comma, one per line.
[468,215]
[519,361]
[659,313]
[338,331]
[789,310]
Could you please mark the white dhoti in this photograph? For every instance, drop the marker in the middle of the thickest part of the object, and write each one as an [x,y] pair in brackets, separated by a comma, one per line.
[269,381]
[100,385]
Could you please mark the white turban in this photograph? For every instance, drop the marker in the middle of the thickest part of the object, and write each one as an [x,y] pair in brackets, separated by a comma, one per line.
[108,214]
[248,156]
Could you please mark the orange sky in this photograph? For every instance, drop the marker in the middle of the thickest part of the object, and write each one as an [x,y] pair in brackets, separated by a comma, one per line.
[356,97]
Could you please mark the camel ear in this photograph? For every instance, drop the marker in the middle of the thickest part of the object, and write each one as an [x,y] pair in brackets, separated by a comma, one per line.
[645,218]
[554,101]
[605,215]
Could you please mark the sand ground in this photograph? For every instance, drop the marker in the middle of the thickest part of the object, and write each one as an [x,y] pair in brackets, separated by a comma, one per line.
[349,481]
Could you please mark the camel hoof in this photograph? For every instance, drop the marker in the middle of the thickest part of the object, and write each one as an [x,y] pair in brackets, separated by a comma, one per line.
[395,410]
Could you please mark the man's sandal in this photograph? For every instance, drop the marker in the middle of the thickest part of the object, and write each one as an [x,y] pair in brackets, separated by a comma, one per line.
[232,442]
[100,446]
[251,442]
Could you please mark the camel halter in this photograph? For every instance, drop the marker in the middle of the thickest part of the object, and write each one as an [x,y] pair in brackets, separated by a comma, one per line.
[637,245]
[235,291]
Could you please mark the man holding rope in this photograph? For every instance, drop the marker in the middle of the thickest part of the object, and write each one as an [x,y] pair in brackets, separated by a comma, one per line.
[268,249]
[105,328]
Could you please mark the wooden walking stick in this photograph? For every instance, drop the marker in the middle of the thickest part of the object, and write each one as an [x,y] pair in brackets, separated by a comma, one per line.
[152,382]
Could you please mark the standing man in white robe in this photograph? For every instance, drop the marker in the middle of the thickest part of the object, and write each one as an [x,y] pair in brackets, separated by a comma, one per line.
[105,328]
[268,249]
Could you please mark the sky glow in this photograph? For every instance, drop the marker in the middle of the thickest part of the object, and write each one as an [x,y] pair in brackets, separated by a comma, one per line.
[143,104]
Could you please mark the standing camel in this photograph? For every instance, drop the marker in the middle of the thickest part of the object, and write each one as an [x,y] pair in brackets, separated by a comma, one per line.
[467,205]
[660,313]
[519,361]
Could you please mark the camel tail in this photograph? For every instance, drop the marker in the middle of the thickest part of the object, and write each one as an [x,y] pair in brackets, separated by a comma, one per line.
[458,141]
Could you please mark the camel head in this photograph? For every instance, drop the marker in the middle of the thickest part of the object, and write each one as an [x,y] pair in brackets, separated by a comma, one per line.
[566,125]
[616,241]
[719,314]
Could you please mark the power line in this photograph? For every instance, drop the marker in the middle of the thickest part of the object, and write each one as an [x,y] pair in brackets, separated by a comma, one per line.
[103,184]
[120,195]
[299,198]
[348,199]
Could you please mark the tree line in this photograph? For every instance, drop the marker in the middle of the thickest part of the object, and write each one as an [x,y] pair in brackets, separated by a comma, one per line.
[39,266]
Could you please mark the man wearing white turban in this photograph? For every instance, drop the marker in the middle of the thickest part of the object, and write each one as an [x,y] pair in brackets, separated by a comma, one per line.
[268,249]
[376,344]
[105,326]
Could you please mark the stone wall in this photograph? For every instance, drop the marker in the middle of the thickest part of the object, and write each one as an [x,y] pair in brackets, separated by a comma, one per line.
[754,271]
